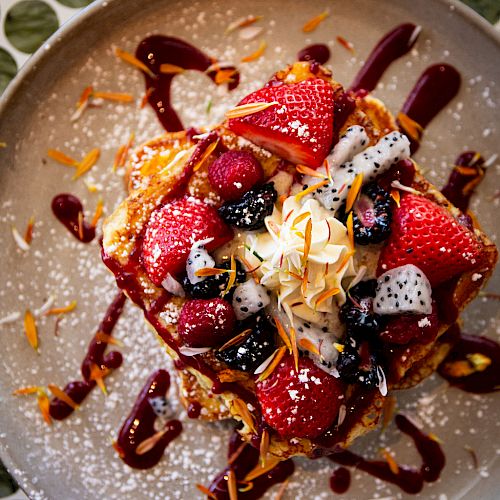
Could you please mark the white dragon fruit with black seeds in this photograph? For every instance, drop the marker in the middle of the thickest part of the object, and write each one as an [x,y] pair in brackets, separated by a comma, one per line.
[371,162]
[404,289]
[198,258]
[351,143]
[161,407]
[322,340]
[249,298]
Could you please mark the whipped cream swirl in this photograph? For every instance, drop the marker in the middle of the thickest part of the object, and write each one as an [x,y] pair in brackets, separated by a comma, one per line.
[302,282]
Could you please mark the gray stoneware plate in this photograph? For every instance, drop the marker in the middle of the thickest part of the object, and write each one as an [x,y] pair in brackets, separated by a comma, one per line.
[74,459]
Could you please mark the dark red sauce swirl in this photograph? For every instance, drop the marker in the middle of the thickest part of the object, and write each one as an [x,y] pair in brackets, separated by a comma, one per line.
[78,390]
[140,425]
[409,479]
[157,50]
[67,209]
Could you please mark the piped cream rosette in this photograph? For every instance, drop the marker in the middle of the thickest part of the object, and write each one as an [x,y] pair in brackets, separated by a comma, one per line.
[307,277]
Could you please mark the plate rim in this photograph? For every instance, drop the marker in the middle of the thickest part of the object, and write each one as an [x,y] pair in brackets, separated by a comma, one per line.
[51,45]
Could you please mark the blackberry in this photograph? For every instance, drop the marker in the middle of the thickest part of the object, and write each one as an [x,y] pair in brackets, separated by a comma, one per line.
[254,350]
[213,286]
[251,209]
[357,313]
[357,365]
[371,215]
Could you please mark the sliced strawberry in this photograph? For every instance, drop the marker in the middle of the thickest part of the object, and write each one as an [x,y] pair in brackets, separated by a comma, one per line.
[299,128]
[171,232]
[300,404]
[426,235]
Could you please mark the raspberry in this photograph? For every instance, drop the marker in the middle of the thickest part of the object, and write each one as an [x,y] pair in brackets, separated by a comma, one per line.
[300,404]
[234,173]
[206,322]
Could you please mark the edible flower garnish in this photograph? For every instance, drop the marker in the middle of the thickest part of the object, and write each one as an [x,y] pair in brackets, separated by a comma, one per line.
[242,22]
[206,491]
[171,69]
[210,149]
[278,354]
[98,374]
[149,443]
[30,329]
[393,466]
[133,61]
[122,153]
[264,447]
[249,109]
[60,394]
[42,399]
[314,22]
[61,310]
[410,127]
[259,470]
[257,54]
[346,44]
[241,409]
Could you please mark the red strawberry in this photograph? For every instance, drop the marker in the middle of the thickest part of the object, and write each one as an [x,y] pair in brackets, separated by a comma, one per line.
[406,328]
[234,173]
[206,322]
[299,128]
[171,232]
[426,235]
[302,404]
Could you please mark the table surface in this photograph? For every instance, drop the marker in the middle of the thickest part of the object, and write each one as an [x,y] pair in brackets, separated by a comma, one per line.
[28,23]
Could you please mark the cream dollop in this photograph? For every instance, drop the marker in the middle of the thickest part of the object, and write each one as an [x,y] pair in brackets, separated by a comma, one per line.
[284,265]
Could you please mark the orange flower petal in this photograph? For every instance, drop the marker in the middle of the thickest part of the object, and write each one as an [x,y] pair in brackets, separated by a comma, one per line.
[149,443]
[206,491]
[114,96]
[257,54]
[326,295]
[236,340]
[314,22]
[60,394]
[61,158]
[171,69]
[410,127]
[210,149]
[307,240]
[354,191]
[249,109]
[302,169]
[99,209]
[282,334]
[279,353]
[258,470]
[23,391]
[309,346]
[396,196]
[310,189]
[61,310]
[210,271]
[346,44]
[87,163]
[232,277]
[44,405]
[28,234]
[295,351]
[30,329]
[133,61]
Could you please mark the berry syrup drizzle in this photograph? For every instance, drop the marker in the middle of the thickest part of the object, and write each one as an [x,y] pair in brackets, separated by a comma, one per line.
[465,346]
[393,45]
[318,52]
[462,181]
[68,210]
[409,479]
[157,50]
[140,425]
[78,390]
[243,458]
[434,89]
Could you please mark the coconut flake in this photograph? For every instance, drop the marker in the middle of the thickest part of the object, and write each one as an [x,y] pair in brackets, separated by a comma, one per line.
[20,241]
[45,306]
[10,318]
[173,286]
[382,382]
[193,351]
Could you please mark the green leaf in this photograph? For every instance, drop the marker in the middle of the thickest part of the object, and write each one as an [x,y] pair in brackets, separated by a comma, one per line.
[75,3]
[8,69]
[29,23]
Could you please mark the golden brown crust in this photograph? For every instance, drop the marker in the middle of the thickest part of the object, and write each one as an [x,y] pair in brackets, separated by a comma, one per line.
[154,171]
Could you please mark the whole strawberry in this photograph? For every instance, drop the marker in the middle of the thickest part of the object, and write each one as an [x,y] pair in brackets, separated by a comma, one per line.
[206,322]
[426,235]
[299,128]
[171,232]
[300,404]
[234,173]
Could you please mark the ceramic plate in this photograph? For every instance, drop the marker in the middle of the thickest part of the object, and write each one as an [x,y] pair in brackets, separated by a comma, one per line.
[74,459]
